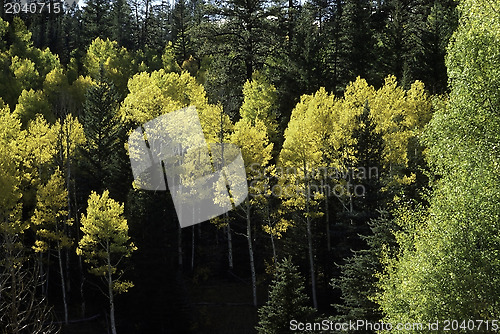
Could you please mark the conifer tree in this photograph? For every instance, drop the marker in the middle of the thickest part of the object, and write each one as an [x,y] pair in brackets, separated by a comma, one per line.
[96,19]
[238,44]
[287,301]
[358,281]
[356,41]
[181,24]
[121,23]
[103,134]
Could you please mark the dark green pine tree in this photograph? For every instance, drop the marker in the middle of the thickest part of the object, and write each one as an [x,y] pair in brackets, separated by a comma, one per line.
[239,41]
[121,23]
[352,219]
[414,25]
[295,66]
[102,160]
[45,26]
[356,42]
[96,19]
[392,38]
[331,54]
[181,24]
[441,23]
[413,42]
[160,26]
[357,281]
[287,301]
[72,34]
[369,146]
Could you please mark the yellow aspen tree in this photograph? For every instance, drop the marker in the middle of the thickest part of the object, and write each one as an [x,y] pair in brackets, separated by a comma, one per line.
[256,151]
[303,153]
[105,244]
[49,220]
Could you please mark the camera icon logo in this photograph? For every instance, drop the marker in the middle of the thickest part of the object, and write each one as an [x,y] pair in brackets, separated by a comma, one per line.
[204,180]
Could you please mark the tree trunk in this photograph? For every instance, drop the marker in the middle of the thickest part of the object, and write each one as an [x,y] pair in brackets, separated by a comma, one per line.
[192,248]
[327,218]
[47,272]
[14,296]
[82,282]
[179,247]
[275,260]
[311,260]
[63,285]
[111,300]
[309,239]
[68,281]
[229,244]
[66,229]
[80,265]
[41,274]
[250,253]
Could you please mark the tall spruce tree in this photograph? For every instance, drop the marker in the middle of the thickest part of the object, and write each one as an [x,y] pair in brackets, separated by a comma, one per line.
[96,19]
[121,23]
[287,301]
[238,41]
[355,41]
[358,278]
[181,23]
[412,42]
[294,65]
[160,30]
[441,22]
[103,133]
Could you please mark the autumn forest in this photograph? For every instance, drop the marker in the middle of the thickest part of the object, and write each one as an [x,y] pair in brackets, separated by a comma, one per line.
[369,133]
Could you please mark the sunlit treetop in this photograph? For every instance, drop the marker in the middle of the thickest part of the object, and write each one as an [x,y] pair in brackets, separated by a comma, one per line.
[157,93]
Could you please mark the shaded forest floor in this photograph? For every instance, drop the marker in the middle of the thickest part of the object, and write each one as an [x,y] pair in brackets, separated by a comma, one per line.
[221,305]
[167,300]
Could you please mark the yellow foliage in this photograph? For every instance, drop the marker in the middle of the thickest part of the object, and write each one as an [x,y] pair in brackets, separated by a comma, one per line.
[157,93]
[50,214]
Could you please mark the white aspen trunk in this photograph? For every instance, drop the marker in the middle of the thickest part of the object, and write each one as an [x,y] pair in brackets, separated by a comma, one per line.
[14,298]
[47,272]
[41,274]
[351,206]
[311,260]
[309,239]
[192,248]
[80,265]
[229,244]
[275,260]
[327,218]
[68,179]
[179,247]
[67,281]
[63,285]
[250,253]
[111,299]
[82,282]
